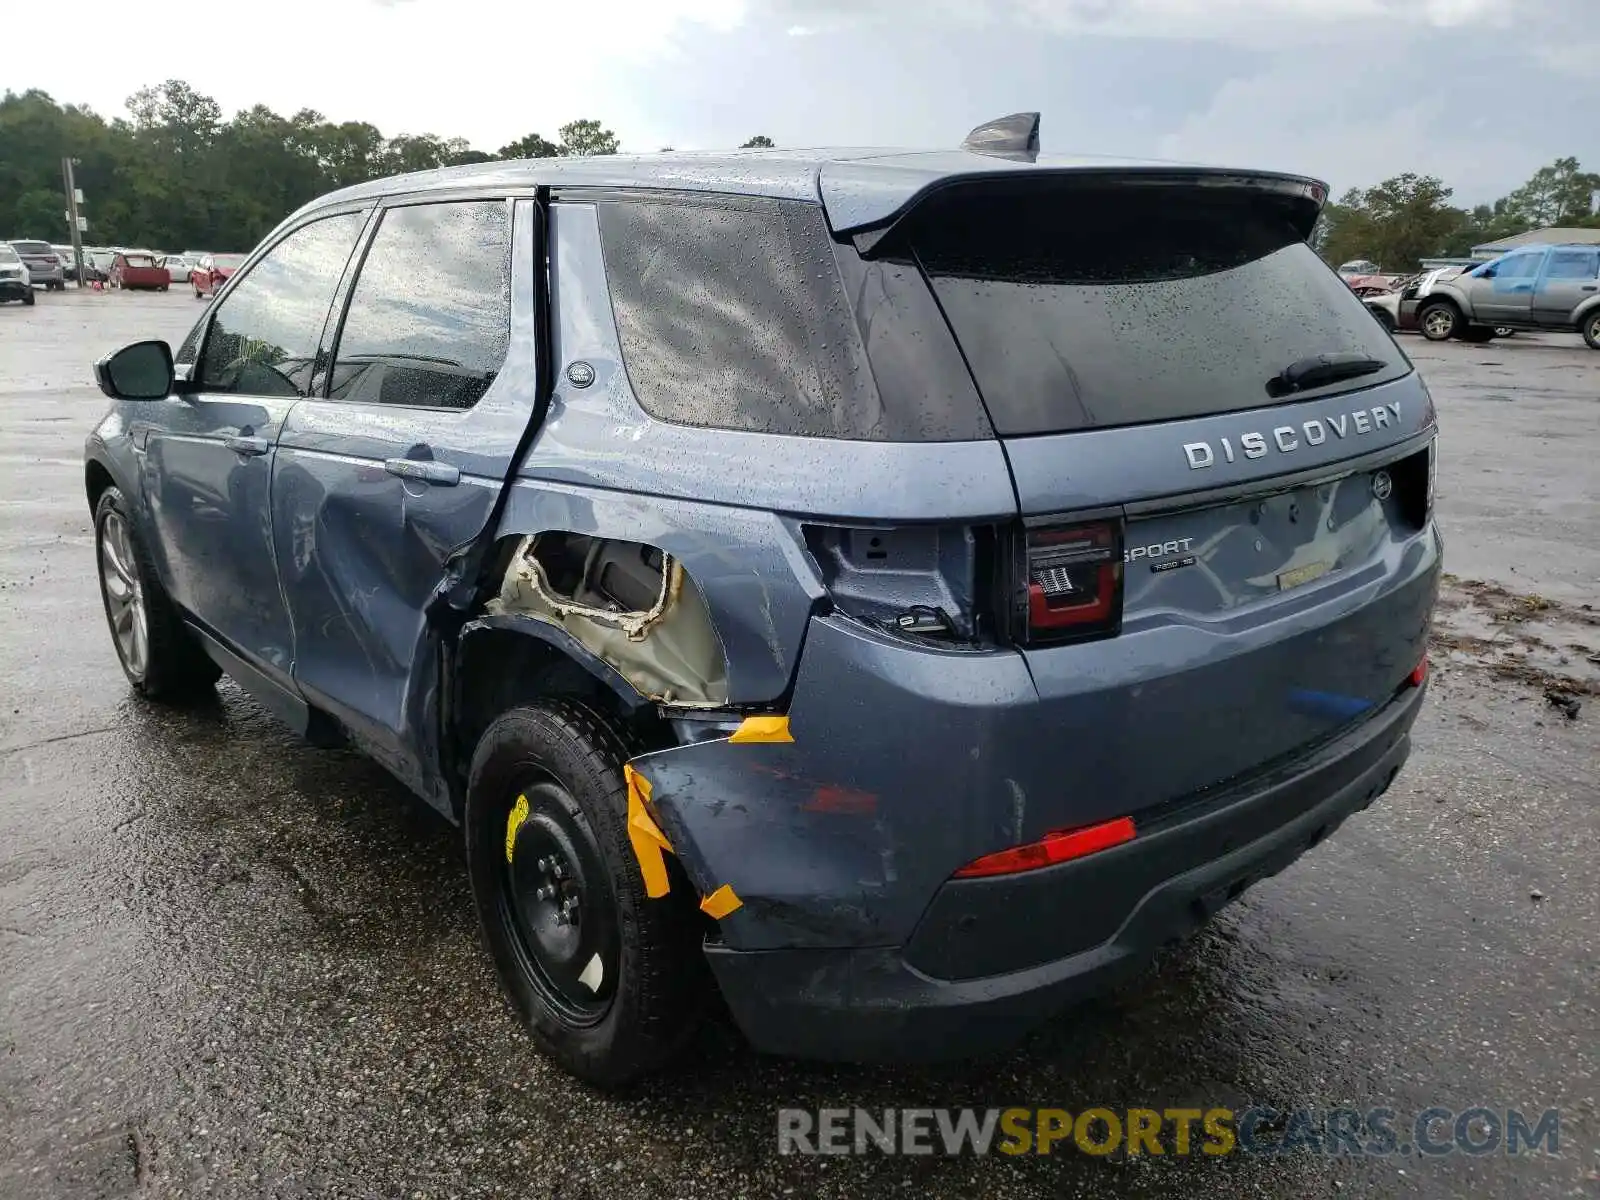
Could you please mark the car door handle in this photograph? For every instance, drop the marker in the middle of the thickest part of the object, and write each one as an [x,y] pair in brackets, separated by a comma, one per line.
[1591,287]
[440,473]
[241,444]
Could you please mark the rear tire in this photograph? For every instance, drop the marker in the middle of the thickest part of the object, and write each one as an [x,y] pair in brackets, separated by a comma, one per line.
[1591,329]
[639,1007]
[1439,321]
[163,660]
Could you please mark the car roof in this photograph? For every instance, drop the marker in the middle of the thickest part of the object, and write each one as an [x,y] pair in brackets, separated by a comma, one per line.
[860,187]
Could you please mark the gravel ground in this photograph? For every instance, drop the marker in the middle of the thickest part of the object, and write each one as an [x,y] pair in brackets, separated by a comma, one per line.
[232,965]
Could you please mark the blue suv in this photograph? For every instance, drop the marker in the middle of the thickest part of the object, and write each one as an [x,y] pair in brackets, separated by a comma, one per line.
[898,590]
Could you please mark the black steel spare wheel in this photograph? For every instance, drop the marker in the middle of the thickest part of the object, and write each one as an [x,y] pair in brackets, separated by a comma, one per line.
[610,982]
[558,903]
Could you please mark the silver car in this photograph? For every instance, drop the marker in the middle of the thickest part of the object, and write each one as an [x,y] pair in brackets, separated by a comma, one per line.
[1533,287]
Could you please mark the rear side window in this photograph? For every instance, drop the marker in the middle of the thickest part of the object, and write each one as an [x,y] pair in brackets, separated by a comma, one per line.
[429,321]
[1573,264]
[732,315]
[1091,304]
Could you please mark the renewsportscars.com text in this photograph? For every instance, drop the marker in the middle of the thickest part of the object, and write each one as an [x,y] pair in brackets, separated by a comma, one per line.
[1375,1132]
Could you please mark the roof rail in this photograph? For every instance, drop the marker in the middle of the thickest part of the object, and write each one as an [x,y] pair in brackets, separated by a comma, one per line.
[1015,137]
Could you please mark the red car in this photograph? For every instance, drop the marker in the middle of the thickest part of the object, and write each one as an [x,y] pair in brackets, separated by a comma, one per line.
[138,271]
[212,271]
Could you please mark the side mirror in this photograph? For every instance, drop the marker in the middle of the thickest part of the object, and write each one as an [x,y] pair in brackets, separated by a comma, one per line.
[1488,273]
[142,371]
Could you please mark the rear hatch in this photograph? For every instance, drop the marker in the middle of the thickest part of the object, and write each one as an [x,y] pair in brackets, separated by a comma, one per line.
[1222,465]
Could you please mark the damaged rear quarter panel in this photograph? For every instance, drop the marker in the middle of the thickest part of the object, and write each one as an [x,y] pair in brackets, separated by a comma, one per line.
[758,585]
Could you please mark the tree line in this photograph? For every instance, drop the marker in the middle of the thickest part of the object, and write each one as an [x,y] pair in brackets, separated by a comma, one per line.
[1408,218]
[174,174]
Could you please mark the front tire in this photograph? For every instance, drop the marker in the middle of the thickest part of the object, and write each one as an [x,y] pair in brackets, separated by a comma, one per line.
[27,297]
[610,982]
[1439,321]
[159,655]
[1591,329]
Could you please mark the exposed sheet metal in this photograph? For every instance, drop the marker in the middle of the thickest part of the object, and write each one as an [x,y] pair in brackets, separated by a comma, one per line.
[669,652]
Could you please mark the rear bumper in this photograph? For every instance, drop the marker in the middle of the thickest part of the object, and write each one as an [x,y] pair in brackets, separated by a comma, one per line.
[921,1001]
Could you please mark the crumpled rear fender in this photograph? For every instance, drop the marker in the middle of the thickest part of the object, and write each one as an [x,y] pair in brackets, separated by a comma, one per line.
[758,583]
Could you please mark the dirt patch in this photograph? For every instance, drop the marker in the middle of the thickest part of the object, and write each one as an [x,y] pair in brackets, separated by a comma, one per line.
[1541,643]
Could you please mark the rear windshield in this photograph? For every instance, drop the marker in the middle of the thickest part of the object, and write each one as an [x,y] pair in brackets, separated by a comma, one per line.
[1086,305]
[32,247]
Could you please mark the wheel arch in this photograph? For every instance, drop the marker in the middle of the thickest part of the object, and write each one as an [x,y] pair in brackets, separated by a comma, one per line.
[502,661]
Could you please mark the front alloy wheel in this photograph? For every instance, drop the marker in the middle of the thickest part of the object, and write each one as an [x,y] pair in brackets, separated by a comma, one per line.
[119,579]
[1438,322]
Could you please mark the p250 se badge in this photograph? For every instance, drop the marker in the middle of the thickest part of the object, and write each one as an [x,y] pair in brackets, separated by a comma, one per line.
[1286,439]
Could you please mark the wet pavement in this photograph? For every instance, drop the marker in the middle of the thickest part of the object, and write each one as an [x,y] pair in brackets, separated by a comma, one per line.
[232,965]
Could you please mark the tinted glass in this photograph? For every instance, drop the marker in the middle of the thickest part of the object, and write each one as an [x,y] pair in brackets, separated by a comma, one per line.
[1519,266]
[731,316]
[430,318]
[1573,264]
[1093,304]
[264,333]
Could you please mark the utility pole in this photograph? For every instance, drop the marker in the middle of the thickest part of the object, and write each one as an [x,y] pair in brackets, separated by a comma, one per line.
[72,216]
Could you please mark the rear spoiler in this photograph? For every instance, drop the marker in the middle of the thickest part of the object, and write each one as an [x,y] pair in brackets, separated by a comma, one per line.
[1311,193]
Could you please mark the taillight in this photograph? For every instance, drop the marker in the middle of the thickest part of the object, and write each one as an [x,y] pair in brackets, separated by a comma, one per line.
[1073,577]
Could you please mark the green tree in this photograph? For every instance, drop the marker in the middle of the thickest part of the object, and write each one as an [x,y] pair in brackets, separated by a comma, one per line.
[1395,223]
[580,139]
[760,142]
[532,145]
[1559,194]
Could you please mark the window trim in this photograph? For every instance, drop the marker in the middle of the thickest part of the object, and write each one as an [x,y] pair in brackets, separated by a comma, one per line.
[266,247]
[344,294]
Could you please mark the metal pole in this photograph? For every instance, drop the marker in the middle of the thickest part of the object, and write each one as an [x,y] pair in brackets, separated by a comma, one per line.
[72,216]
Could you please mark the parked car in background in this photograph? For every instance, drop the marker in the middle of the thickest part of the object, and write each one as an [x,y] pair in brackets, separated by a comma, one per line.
[139,271]
[43,266]
[1179,601]
[1533,287]
[212,271]
[97,264]
[178,266]
[1388,308]
[15,283]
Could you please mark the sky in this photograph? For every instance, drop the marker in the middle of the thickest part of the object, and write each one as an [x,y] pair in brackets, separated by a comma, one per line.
[1478,92]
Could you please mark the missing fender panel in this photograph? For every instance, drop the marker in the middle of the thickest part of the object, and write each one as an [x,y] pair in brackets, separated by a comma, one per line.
[629,603]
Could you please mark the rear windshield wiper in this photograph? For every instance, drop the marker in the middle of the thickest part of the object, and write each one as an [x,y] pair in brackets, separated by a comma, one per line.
[1321,369]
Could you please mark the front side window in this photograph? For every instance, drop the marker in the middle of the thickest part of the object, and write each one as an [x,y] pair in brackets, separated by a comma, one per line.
[264,333]
[1519,266]
[429,321]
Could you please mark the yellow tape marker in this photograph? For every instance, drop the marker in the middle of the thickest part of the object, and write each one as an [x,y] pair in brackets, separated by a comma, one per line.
[721,902]
[646,836]
[762,729]
[519,814]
